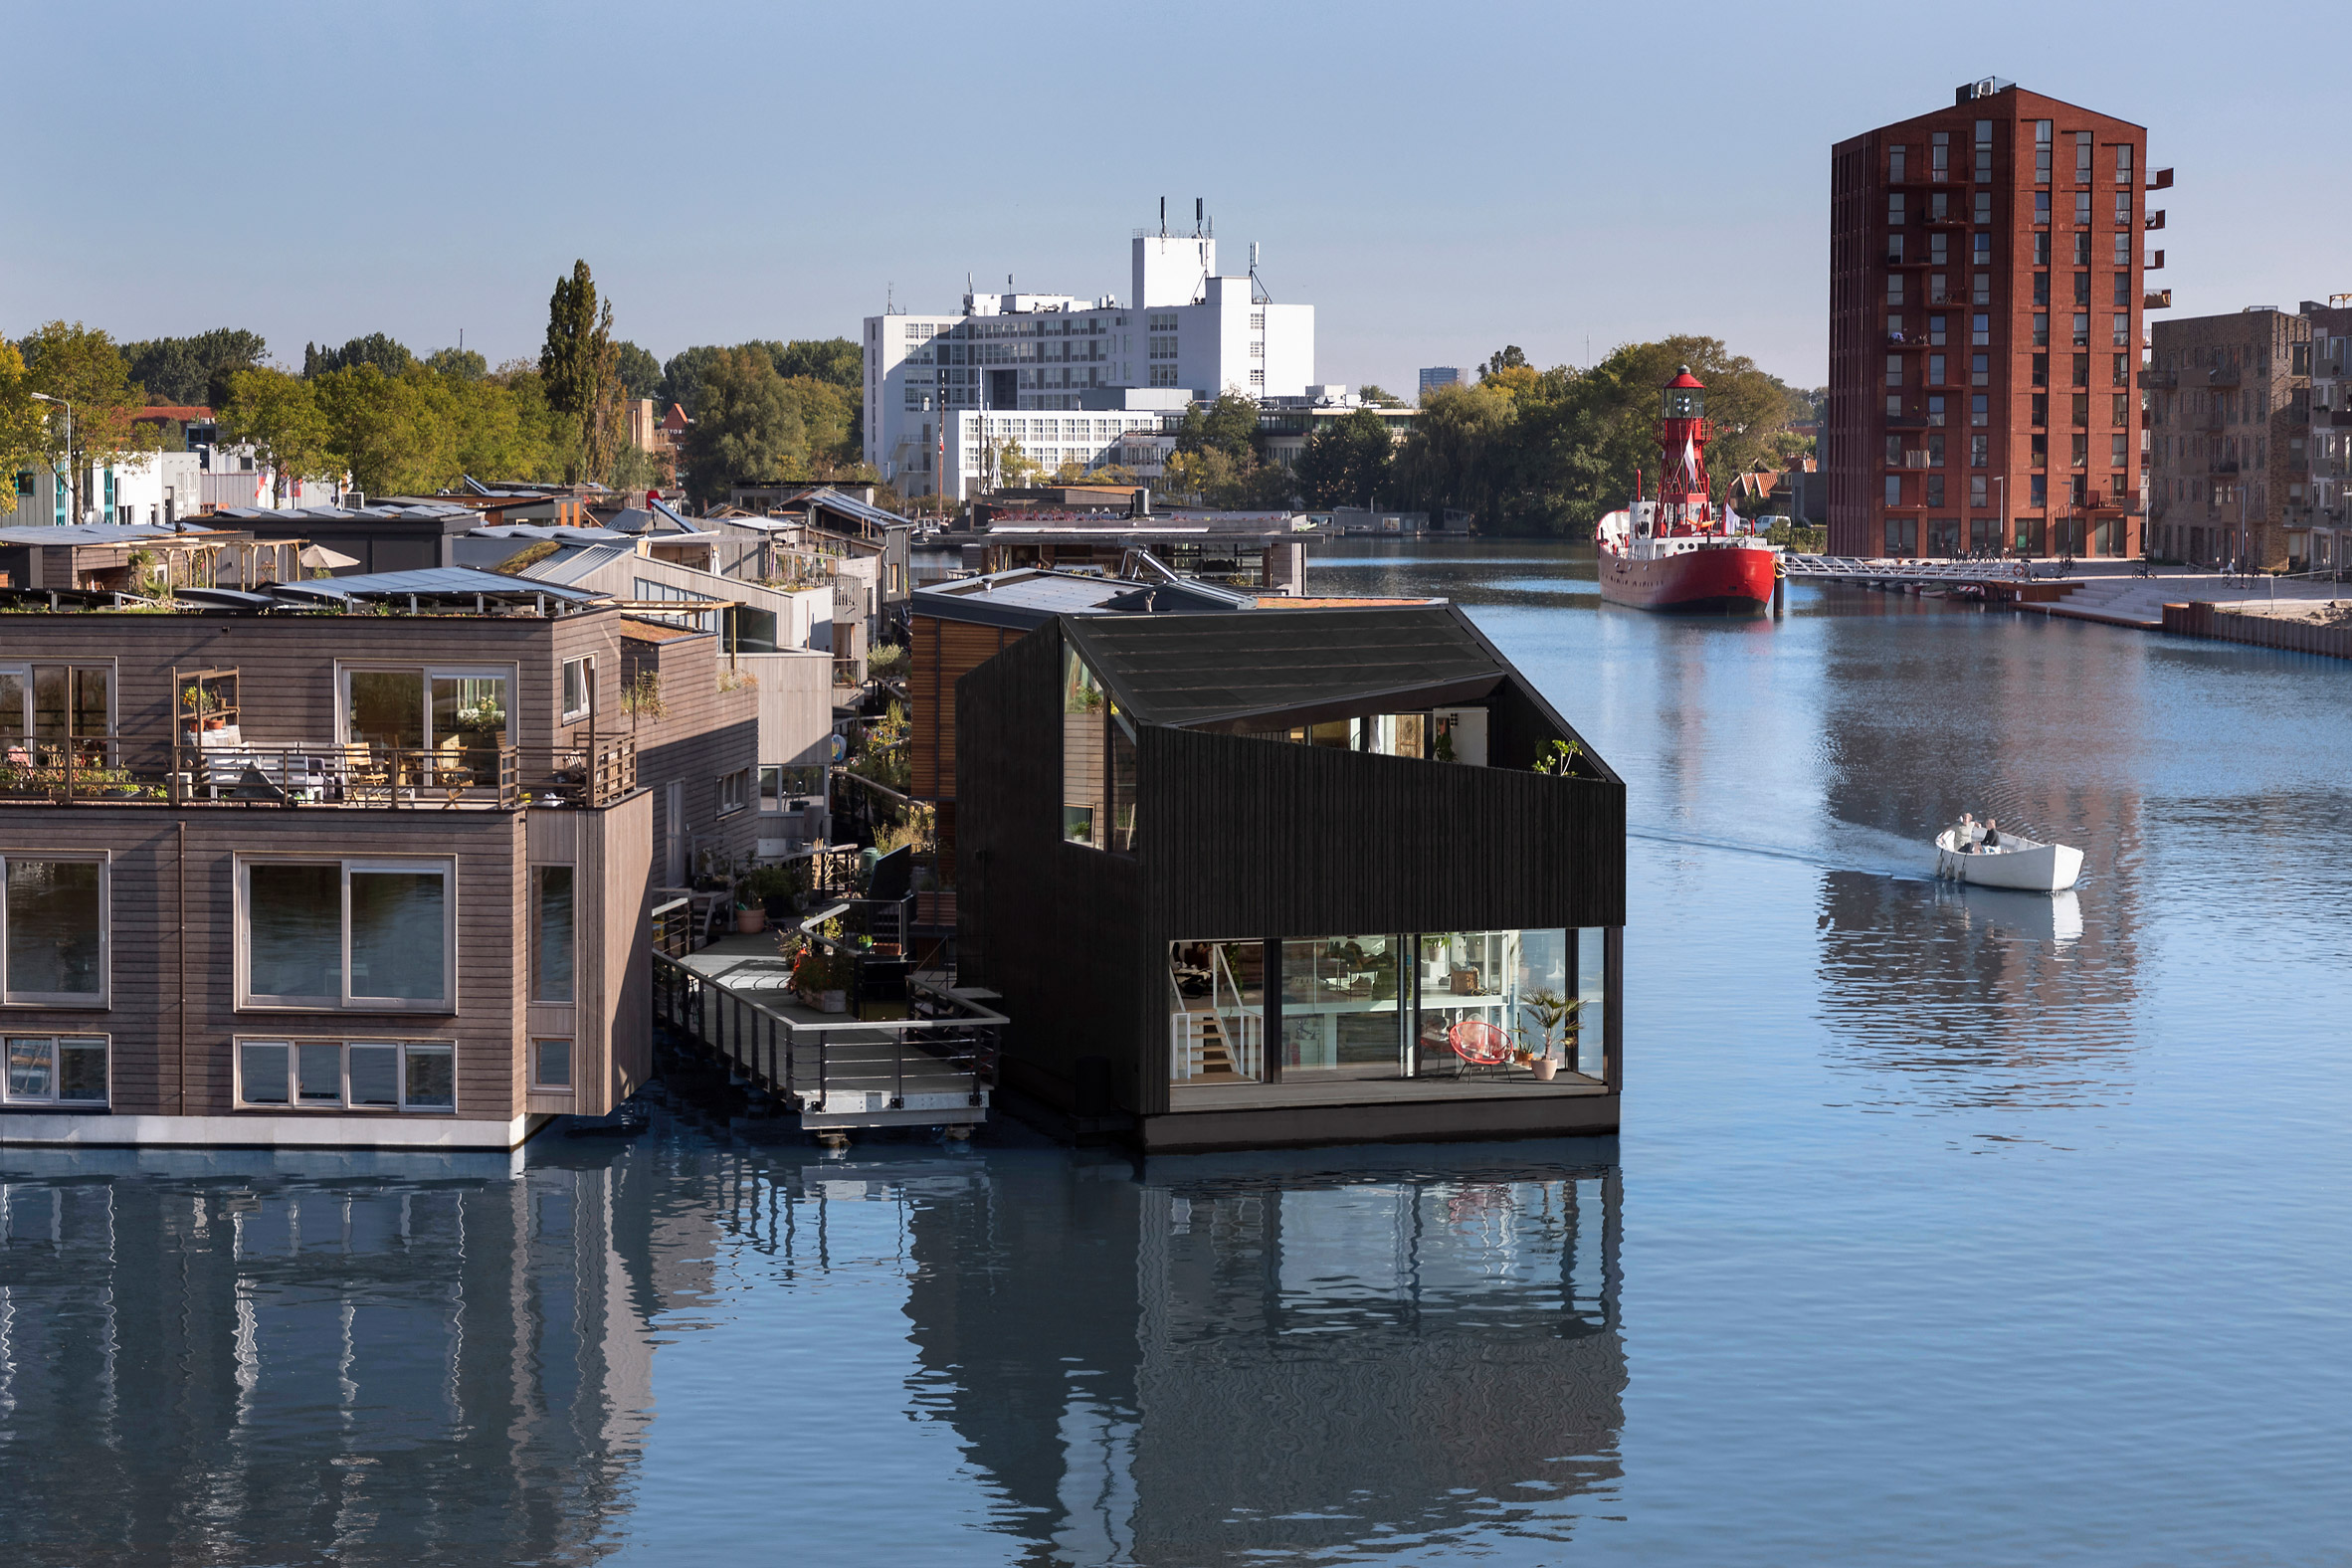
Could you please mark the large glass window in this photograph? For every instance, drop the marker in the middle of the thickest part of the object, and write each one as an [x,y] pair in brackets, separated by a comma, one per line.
[1217,1022]
[461,716]
[56,931]
[346,933]
[55,1070]
[1098,761]
[357,1074]
[1339,1005]
[551,933]
[579,687]
[52,706]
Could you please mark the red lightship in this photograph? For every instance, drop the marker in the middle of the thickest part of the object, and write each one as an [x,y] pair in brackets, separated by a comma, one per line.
[1681,551]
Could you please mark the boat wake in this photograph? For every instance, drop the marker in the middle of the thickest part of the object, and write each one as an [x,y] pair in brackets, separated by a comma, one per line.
[1825,858]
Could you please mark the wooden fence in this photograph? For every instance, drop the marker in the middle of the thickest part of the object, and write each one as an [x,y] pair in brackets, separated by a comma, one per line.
[2259,630]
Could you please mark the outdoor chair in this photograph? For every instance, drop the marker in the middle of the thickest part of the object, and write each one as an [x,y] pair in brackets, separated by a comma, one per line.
[1478,1043]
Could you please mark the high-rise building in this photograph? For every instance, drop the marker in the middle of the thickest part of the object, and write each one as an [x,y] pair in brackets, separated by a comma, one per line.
[2228,425]
[1183,333]
[1436,376]
[2318,530]
[1985,301]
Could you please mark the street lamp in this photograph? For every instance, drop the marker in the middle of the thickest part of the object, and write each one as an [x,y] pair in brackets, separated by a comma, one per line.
[66,405]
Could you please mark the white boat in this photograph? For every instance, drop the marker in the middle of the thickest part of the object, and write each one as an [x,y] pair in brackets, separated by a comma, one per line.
[2017,862]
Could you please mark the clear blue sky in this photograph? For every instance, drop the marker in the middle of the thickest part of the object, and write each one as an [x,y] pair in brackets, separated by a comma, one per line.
[1435,180]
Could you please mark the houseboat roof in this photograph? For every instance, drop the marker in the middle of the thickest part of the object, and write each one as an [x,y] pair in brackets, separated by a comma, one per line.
[1188,671]
[436,582]
[1030,596]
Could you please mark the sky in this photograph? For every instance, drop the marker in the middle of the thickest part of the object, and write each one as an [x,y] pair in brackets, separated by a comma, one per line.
[1437,181]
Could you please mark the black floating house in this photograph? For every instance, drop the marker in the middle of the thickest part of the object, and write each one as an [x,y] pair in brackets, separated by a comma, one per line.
[1248,879]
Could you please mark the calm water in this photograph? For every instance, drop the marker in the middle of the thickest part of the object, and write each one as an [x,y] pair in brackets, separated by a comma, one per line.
[1951,1228]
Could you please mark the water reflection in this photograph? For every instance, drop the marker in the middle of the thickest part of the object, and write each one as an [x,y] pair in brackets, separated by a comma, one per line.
[1251,1356]
[310,1359]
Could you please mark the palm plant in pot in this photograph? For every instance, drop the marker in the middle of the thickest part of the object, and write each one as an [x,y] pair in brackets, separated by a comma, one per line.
[1553,1015]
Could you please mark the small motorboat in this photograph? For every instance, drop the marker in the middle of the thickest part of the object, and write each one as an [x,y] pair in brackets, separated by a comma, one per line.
[2014,863]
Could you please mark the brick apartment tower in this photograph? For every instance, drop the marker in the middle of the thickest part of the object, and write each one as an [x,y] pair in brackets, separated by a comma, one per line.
[1985,297]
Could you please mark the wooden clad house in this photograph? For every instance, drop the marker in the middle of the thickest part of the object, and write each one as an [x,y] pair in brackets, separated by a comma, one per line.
[1251,879]
[361,863]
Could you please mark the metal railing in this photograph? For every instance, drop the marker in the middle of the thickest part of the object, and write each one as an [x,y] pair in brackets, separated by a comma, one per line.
[494,777]
[950,1049]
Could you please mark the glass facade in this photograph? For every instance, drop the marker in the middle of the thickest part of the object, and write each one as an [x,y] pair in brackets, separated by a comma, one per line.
[1098,762]
[1387,1006]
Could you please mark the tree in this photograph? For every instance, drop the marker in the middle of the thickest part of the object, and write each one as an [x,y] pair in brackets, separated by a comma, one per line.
[638,371]
[1346,461]
[1228,426]
[24,424]
[278,416]
[682,376]
[81,366]
[747,430]
[1507,358]
[463,364]
[838,360]
[374,349]
[1379,396]
[193,371]
[578,351]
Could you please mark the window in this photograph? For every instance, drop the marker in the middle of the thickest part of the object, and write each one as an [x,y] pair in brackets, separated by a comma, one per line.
[1937,286]
[458,711]
[1935,370]
[2121,297]
[2122,256]
[2040,412]
[1895,165]
[2083,288]
[2082,250]
[2081,410]
[2082,157]
[373,934]
[1980,409]
[55,1070]
[2119,331]
[2041,370]
[579,687]
[1895,208]
[1902,536]
[1935,329]
[1984,207]
[2081,453]
[735,791]
[1935,452]
[1980,370]
[2042,209]
[2083,210]
[2082,370]
[2083,329]
[1983,292]
[2115,449]
[2041,249]
[1894,490]
[1979,489]
[355,1074]
[2038,490]
[1894,452]
[1936,489]
[1895,249]
[2040,454]
[1981,252]
[2041,148]
[1980,330]
[2119,411]
[1939,154]
[2041,329]
[1939,207]
[553,933]
[1894,370]
[2042,287]
[1984,150]
[551,1064]
[1894,288]
[56,705]
[1935,411]
[2123,163]
[1894,405]
[55,921]
[1979,451]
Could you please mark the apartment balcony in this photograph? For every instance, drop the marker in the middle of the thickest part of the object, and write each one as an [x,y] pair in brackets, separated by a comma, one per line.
[488,776]
[2153,262]
[2156,300]
[2154,220]
[1915,459]
[2159,380]
[2225,466]
[2223,376]
[2161,180]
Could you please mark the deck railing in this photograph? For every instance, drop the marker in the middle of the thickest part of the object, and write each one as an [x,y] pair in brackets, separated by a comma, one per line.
[499,776]
[819,1067]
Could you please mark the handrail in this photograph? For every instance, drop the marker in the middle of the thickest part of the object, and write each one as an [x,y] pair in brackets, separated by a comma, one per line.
[497,776]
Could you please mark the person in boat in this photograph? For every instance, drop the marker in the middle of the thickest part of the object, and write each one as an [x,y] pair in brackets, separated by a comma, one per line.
[1964,836]
[1992,834]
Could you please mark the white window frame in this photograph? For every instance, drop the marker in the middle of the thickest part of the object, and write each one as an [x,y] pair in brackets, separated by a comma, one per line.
[426,675]
[735,791]
[571,1065]
[103,997]
[586,664]
[8,1094]
[344,1044]
[349,1002]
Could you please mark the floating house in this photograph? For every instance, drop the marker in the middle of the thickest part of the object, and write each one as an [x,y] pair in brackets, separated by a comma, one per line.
[1246,880]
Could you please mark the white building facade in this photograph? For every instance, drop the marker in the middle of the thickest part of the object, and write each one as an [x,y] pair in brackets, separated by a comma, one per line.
[1184,334]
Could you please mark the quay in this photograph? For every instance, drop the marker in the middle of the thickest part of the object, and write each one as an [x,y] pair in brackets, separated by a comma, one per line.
[2111,593]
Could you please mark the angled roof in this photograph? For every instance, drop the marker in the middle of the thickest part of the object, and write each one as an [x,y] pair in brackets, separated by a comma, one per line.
[1028,597]
[107,533]
[574,563]
[1195,669]
[433,582]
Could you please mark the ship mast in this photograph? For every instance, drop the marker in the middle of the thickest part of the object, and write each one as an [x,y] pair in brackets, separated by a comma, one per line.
[1682,433]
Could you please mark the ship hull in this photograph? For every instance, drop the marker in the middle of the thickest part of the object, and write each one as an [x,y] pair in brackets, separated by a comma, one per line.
[1720,579]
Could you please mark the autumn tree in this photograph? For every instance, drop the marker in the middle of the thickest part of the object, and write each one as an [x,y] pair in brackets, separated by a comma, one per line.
[81,366]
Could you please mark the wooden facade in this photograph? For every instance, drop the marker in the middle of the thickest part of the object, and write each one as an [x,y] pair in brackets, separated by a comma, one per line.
[172,1011]
[1238,837]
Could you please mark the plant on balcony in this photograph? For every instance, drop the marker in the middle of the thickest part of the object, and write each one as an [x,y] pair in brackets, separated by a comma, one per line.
[482,714]
[642,698]
[1552,1014]
[1560,760]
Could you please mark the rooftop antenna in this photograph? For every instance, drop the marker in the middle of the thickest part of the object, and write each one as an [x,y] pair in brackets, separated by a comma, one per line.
[1197,206]
[1163,217]
[1260,294]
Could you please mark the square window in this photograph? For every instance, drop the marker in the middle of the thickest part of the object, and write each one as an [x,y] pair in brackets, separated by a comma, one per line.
[48,1069]
[552,1063]
[55,946]
[375,1075]
[432,1078]
[373,934]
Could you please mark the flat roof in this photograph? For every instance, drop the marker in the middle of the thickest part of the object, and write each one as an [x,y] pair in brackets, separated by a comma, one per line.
[435,582]
[1030,596]
[1190,669]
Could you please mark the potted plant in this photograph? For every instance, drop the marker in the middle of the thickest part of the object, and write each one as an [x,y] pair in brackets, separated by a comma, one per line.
[750,918]
[1552,1013]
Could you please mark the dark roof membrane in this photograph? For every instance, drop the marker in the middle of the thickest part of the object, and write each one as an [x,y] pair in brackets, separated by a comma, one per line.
[1207,669]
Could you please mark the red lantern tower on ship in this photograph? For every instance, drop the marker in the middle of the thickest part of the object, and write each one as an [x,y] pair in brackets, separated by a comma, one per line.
[1680,551]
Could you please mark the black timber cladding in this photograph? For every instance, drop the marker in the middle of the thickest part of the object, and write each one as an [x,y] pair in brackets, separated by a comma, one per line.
[1242,837]
[1207,668]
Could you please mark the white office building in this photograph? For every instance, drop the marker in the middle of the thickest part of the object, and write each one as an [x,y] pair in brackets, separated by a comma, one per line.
[1184,334]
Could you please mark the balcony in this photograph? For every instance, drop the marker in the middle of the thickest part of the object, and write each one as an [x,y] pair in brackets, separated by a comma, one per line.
[2221,376]
[2154,261]
[2156,300]
[2159,380]
[2154,220]
[2161,180]
[496,776]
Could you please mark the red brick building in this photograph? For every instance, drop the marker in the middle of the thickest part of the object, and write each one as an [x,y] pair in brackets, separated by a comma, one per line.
[1986,288]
